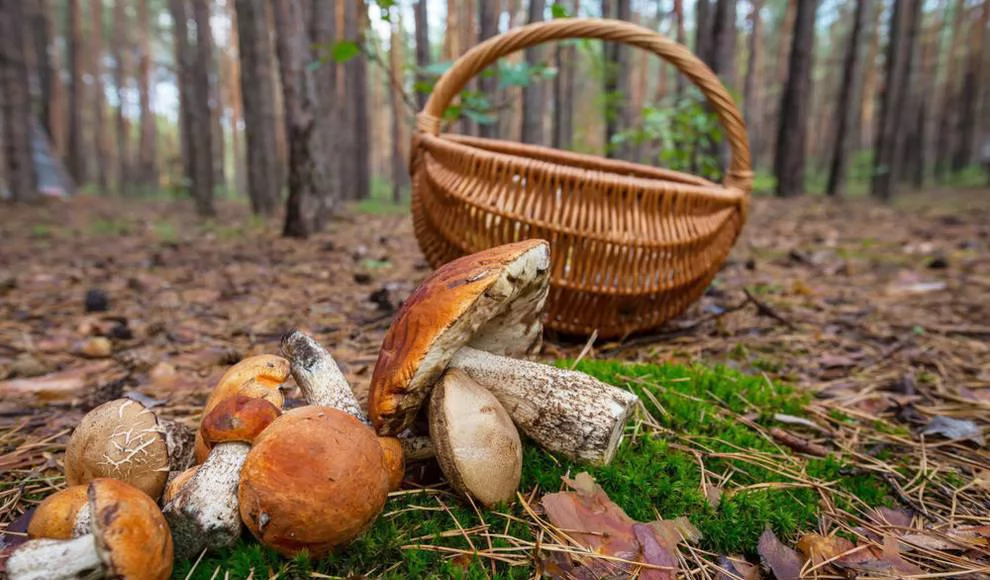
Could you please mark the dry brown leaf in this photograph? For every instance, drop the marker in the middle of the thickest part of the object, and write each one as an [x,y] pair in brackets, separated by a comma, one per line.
[735,567]
[783,561]
[54,387]
[819,548]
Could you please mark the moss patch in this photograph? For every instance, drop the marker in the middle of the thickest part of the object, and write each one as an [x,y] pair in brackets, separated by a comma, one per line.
[655,474]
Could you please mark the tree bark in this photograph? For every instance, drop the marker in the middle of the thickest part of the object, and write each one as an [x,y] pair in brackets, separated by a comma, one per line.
[947,105]
[184,59]
[258,96]
[795,103]
[680,81]
[422,49]
[202,185]
[48,73]
[356,75]
[400,174]
[773,112]
[102,148]
[703,31]
[19,163]
[488,19]
[469,36]
[906,113]
[752,85]
[563,84]
[618,83]
[887,156]
[868,98]
[306,174]
[846,113]
[232,79]
[147,153]
[918,154]
[323,33]
[76,158]
[969,96]
[121,50]
[533,100]
[723,56]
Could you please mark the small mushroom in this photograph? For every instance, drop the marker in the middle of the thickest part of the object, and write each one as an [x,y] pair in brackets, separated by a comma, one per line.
[481,313]
[203,513]
[323,385]
[313,481]
[128,539]
[62,515]
[122,439]
[256,376]
[477,445]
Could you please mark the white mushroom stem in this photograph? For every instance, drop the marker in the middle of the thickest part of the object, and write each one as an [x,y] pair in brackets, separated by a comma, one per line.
[46,559]
[324,385]
[566,412]
[83,521]
[205,512]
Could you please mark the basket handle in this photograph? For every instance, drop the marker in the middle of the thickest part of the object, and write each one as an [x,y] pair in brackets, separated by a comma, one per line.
[480,56]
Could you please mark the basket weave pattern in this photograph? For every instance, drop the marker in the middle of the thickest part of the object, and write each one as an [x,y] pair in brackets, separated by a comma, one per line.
[631,245]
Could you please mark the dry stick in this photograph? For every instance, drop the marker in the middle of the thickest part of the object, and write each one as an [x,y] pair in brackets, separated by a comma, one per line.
[764,309]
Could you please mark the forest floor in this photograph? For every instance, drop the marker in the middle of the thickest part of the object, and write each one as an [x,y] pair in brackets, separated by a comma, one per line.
[881,313]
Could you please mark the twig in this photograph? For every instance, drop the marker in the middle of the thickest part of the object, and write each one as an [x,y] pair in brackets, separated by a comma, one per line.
[764,309]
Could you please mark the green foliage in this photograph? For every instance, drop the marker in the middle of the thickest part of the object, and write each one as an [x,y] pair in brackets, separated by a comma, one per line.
[110,227]
[652,476]
[558,10]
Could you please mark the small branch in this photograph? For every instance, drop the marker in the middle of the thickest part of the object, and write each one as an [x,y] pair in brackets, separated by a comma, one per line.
[764,309]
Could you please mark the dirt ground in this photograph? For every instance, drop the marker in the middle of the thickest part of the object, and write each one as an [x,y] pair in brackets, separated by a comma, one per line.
[883,311]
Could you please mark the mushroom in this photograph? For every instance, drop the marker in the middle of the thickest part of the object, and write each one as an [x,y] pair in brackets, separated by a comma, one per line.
[128,539]
[477,446]
[203,513]
[323,385]
[313,481]
[122,439]
[480,313]
[177,483]
[62,515]
[256,376]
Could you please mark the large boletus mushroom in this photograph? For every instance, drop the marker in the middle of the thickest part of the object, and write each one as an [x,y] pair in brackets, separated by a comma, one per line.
[203,512]
[128,539]
[122,439]
[477,446]
[62,515]
[259,376]
[481,314]
[313,481]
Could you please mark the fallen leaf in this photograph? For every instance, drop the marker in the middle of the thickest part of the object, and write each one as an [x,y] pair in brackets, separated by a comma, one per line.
[735,567]
[783,561]
[951,428]
[885,515]
[819,548]
[54,387]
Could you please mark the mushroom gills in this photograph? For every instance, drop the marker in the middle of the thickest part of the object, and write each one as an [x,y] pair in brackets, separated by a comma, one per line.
[566,412]
[47,559]
[204,512]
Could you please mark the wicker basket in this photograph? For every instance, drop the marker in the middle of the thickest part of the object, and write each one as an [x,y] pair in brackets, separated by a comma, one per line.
[631,245]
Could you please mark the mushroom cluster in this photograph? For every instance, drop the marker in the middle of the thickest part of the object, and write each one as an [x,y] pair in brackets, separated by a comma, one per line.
[453,383]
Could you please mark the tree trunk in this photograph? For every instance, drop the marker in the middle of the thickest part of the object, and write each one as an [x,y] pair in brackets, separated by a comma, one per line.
[703,31]
[184,59]
[469,37]
[563,84]
[422,49]
[202,186]
[846,113]
[723,56]
[795,103]
[356,75]
[618,83]
[121,52]
[752,85]
[887,157]
[258,96]
[488,19]
[681,38]
[306,173]
[231,76]
[945,143]
[48,73]
[868,97]
[918,154]
[906,113]
[14,75]
[533,100]
[323,33]
[76,158]
[969,95]
[102,148]
[400,162]
[147,153]
[773,112]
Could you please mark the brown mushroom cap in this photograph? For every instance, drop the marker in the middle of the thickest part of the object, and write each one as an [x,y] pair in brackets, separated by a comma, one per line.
[313,480]
[120,439]
[239,418]
[395,461]
[132,537]
[490,300]
[55,517]
[257,376]
[477,445]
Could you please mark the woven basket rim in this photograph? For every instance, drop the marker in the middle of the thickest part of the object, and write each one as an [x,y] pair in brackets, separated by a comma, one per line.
[596,177]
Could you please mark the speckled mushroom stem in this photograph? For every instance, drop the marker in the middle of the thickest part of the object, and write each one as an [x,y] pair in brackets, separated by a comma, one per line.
[324,385]
[204,512]
[46,559]
[566,412]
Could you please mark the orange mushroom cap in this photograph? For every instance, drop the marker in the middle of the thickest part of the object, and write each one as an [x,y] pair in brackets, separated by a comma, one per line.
[55,517]
[239,418]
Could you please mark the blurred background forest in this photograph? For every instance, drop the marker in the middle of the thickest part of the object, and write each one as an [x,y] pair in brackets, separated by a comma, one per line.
[298,105]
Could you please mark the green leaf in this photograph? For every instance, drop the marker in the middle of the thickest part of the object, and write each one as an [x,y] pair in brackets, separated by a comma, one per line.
[344,50]
[479,117]
[557,10]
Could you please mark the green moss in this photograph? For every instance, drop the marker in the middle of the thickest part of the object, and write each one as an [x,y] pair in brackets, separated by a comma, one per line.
[651,475]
